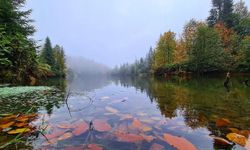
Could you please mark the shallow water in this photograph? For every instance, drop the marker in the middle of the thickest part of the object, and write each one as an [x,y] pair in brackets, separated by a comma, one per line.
[132,113]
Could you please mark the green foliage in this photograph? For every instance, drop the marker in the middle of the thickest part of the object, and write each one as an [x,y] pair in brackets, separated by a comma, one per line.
[17,50]
[221,11]
[220,44]
[59,66]
[207,53]
[245,55]
[47,55]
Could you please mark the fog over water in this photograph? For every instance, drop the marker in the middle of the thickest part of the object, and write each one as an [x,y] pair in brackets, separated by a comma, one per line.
[112,32]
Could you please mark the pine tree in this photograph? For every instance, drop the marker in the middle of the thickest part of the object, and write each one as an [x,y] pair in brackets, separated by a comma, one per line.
[47,55]
[17,50]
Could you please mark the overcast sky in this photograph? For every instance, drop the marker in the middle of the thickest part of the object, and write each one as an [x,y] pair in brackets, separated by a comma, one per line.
[112,31]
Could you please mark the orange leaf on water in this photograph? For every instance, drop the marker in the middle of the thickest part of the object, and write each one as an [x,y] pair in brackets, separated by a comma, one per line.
[148,138]
[156,146]
[222,122]
[236,138]
[65,126]
[21,124]
[22,119]
[65,136]
[136,123]
[128,137]
[7,125]
[101,125]
[80,128]
[179,142]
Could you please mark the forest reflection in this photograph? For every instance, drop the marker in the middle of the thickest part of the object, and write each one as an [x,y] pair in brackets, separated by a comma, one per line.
[200,101]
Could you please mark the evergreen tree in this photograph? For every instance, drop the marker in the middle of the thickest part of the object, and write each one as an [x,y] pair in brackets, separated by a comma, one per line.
[207,52]
[227,13]
[17,50]
[47,54]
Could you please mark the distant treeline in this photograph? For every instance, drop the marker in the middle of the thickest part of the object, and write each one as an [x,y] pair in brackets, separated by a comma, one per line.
[20,60]
[219,44]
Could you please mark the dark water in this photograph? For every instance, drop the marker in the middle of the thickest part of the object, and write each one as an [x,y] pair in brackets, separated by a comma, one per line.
[145,107]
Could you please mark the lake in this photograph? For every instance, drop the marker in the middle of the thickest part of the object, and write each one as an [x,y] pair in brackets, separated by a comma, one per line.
[134,113]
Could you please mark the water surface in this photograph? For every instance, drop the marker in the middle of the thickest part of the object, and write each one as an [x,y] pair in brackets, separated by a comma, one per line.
[136,113]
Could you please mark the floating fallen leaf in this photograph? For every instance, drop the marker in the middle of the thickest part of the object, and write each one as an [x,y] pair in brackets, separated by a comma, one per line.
[156,146]
[80,128]
[65,126]
[65,136]
[128,137]
[94,147]
[222,122]
[112,110]
[221,141]
[7,125]
[17,131]
[179,142]
[136,123]
[234,130]
[101,125]
[236,138]
[21,124]
[146,128]
[148,138]
[22,118]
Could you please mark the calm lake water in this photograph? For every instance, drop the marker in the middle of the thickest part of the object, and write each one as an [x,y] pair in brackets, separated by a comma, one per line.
[137,113]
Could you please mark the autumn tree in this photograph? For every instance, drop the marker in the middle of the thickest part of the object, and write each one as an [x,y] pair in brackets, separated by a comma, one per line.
[180,52]
[164,50]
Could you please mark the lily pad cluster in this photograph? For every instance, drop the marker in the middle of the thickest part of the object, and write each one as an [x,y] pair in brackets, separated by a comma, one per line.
[21,99]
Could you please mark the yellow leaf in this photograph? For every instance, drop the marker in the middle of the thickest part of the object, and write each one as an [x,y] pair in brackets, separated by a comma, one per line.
[17,131]
[65,136]
[7,125]
[236,138]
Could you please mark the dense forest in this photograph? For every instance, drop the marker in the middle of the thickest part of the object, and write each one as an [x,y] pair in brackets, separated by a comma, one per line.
[21,58]
[221,43]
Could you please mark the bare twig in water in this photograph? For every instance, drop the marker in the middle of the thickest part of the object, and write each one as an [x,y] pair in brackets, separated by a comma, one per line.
[66,101]
[89,104]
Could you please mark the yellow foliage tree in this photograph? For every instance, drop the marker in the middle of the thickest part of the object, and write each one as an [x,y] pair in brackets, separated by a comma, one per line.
[164,50]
